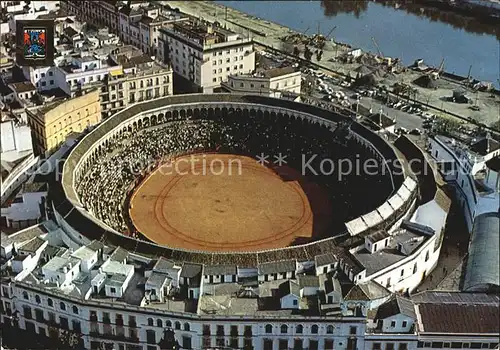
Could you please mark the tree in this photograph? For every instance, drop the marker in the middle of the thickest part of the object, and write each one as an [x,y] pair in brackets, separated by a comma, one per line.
[296,51]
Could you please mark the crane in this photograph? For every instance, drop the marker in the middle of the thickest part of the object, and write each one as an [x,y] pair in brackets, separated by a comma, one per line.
[435,73]
[330,32]
[441,67]
[377,47]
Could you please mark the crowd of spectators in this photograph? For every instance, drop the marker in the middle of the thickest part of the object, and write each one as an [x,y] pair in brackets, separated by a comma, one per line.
[104,190]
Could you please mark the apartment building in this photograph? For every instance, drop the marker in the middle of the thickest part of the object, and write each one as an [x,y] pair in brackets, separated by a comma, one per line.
[133,79]
[93,294]
[205,55]
[136,23]
[276,82]
[124,76]
[53,122]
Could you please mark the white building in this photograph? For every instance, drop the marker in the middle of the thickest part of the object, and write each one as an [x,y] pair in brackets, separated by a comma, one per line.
[27,10]
[27,208]
[205,55]
[15,142]
[277,82]
[473,170]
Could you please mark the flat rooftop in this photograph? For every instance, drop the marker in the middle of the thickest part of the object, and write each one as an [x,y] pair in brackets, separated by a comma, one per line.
[390,254]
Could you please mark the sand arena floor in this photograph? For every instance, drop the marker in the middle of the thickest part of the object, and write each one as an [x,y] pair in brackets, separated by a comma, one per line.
[221,202]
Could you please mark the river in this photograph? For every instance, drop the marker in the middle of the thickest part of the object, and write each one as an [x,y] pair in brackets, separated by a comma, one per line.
[397,33]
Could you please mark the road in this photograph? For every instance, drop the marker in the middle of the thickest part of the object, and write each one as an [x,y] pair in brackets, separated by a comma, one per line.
[272,34]
[403,119]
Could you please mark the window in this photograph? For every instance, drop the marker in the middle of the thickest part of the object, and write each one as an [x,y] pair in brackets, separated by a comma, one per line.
[328,344]
[51,82]
[299,329]
[177,325]
[403,346]
[284,329]
[150,322]
[314,329]
[329,329]
[43,75]
[186,327]
[37,299]
[389,346]
[159,323]
[456,345]
[241,66]
[405,323]
[25,295]
[427,256]
[214,71]
[50,302]
[214,80]
[62,306]
[150,336]
[402,272]
[76,326]
[393,324]
[75,310]
[269,328]
[376,346]
[437,344]
[415,268]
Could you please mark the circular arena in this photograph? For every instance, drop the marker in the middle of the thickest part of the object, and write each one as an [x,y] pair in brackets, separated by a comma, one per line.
[145,179]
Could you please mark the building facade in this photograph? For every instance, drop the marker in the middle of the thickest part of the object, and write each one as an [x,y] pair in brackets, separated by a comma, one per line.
[205,55]
[278,82]
[52,123]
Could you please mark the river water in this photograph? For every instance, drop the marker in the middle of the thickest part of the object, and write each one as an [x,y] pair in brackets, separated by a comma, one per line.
[397,33]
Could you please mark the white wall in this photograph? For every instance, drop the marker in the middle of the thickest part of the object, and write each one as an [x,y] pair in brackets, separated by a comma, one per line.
[15,141]
[398,327]
[289,301]
[29,209]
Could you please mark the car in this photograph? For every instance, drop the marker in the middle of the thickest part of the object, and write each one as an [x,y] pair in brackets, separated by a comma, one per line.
[416,131]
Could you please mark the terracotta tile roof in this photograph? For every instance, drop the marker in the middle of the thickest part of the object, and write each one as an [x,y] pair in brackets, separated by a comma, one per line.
[459,318]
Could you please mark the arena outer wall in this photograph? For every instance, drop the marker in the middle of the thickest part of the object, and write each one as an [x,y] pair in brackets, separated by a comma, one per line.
[81,227]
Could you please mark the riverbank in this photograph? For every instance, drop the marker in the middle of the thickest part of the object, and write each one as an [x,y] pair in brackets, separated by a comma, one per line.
[271,34]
